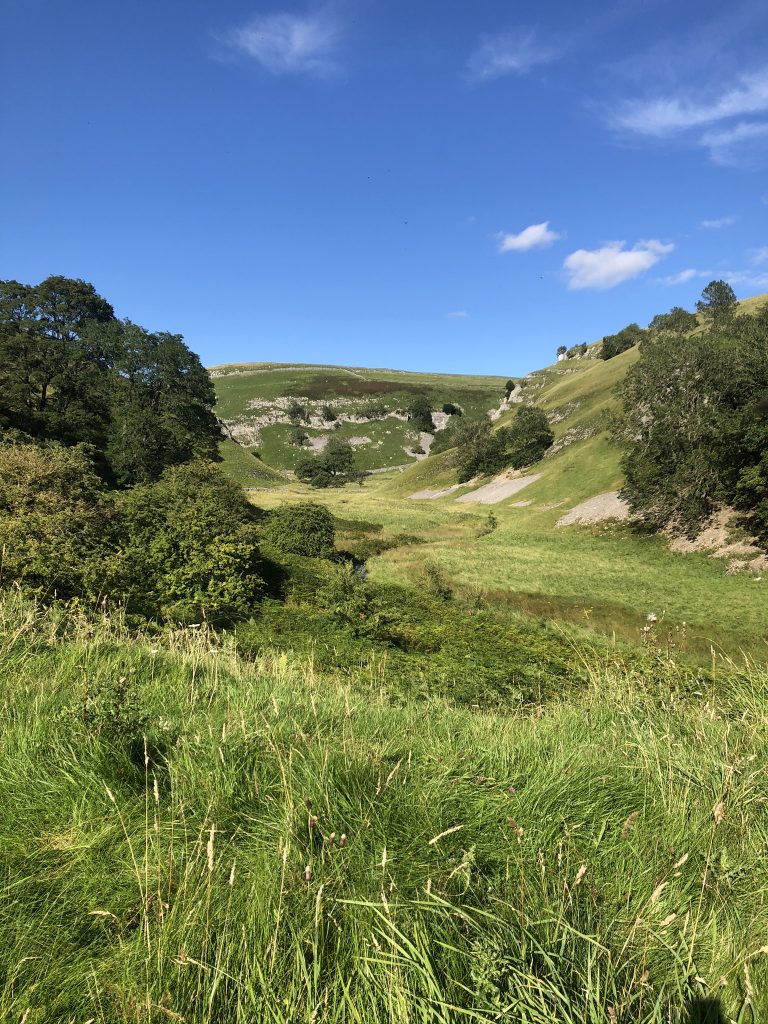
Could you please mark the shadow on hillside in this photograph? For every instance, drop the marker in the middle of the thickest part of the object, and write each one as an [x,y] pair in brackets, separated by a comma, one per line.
[705,1011]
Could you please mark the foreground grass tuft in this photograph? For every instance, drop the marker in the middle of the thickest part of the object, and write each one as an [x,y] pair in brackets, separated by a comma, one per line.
[186,836]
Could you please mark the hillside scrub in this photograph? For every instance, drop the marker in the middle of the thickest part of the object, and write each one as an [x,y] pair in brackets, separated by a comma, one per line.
[695,423]
[190,835]
[614,344]
[481,451]
[333,467]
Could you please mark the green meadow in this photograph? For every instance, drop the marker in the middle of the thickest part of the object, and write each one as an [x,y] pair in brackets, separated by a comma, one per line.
[193,833]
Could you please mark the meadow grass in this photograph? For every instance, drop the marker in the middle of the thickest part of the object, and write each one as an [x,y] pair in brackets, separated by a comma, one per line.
[245,468]
[604,577]
[191,836]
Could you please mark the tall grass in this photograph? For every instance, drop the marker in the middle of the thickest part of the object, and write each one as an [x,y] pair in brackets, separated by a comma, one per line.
[185,836]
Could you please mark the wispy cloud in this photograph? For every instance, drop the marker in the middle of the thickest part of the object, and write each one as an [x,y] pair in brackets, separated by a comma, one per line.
[612,264]
[668,115]
[458,314]
[717,222]
[730,124]
[727,146]
[535,236]
[290,44]
[513,52]
[683,277]
[758,256]
[747,278]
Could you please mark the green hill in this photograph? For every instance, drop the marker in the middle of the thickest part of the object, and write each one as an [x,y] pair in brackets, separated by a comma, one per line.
[369,406]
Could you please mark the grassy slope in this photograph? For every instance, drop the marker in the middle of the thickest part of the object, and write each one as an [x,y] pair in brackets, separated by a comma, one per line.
[586,860]
[246,468]
[350,388]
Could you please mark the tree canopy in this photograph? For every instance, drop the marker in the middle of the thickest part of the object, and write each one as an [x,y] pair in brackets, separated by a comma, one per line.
[614,344]
[717,302]
[71,372]
[695,426]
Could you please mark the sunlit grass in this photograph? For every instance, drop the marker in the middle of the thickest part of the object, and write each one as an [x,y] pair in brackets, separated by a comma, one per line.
[187,836]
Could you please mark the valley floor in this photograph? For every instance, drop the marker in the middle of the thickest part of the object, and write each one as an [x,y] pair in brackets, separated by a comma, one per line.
[604,577]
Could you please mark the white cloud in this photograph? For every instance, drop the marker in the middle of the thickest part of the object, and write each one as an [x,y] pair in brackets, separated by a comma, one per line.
[726,146]
[512,52]
[730,122]
[669,115]
[612,264]
[758,256]
[718,222]
[458,314]
[747,278]
[285,43]
[535,236]
[683,277]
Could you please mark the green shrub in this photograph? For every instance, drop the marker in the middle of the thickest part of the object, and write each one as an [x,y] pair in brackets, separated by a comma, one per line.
[374,410]
[57,522]
[333,467]
[305,529]
[189,550]
[296,412]
[435,582]
[615,344]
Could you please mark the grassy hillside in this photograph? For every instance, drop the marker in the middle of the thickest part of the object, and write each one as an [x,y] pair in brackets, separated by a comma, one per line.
[253,400]
[604,576]
[188,835]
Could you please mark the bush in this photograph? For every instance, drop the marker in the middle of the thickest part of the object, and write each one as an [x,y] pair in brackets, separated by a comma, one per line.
[328,414]
[435,582]
[676,321]
[304,529]
[479,449]
[189,548]
[57,522]
[296,412]
[452,410]
[695,426]
[373,410]
[298,437]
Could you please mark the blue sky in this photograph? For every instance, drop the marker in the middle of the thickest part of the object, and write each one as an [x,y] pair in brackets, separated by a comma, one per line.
[458,187]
